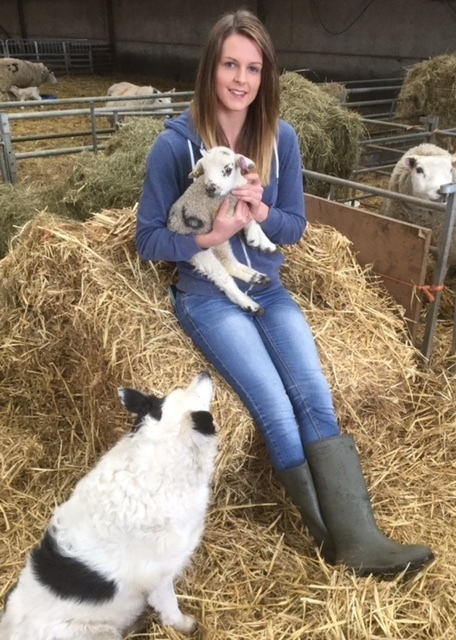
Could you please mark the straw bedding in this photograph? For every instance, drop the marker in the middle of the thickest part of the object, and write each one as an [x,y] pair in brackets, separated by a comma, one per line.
[84,315]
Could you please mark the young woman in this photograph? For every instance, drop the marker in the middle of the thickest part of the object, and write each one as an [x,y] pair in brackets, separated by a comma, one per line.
[271,361]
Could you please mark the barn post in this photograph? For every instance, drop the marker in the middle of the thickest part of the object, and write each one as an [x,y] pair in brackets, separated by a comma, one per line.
[111,30]
[8,159]
[21,15]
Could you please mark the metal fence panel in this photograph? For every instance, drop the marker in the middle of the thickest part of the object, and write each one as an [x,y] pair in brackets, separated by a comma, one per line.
[72,57]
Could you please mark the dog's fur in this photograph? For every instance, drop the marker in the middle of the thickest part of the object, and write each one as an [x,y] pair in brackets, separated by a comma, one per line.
[127,530]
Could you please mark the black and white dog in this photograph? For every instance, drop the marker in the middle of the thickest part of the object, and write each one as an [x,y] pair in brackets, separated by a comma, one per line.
[128,529]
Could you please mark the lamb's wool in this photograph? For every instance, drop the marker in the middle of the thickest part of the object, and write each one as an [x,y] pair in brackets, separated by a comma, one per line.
[26,93]
[125,89]
[217,173]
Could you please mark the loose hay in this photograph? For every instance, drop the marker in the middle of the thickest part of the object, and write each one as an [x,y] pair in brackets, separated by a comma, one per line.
[429,89]
[329,135]
[84,315]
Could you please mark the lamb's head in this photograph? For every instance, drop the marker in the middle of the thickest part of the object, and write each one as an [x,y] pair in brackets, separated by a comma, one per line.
[428,174]
[223,170]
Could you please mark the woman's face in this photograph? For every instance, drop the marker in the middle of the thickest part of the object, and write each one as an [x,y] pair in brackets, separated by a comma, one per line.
[238,75]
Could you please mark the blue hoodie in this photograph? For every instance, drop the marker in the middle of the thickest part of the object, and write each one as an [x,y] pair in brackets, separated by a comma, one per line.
[168,165]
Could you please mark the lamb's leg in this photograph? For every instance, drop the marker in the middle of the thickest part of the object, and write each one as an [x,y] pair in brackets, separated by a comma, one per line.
[225,254]
[207,263]
[163,599]
[257,239]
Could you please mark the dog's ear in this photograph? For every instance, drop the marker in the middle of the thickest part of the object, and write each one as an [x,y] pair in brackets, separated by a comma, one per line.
[139,403]
[198,169]
[203,422]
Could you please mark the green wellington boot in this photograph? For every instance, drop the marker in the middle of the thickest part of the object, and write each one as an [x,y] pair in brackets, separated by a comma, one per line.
[299,486]
[347,512]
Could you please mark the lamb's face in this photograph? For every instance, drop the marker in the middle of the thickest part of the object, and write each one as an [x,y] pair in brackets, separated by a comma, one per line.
[182,412]
[428,174]
[222,171]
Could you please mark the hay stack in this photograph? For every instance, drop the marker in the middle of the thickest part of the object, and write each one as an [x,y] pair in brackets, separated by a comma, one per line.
[429,89]
[18,204]
[99,181]
[84,315]
[329,135]
[335,89]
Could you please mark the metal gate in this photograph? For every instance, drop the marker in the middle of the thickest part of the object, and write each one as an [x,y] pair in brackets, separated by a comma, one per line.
[70,57]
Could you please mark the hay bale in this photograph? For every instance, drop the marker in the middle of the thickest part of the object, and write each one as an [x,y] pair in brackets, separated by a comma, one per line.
[429,89]
[329,135]
[96,181]
[84,315]
[18,205]
[335,89]
[108,180]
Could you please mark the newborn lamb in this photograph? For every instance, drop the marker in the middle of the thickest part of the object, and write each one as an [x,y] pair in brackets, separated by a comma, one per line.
[218,172]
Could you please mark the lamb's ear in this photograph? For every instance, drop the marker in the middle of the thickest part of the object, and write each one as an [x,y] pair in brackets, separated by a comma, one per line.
[244,164]
[139,403]
[198,169]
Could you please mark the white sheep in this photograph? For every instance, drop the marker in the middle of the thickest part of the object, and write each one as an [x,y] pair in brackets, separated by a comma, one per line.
[218,172]
[420,173]
[23,73]
[124,89]
[26,93]
[127,530]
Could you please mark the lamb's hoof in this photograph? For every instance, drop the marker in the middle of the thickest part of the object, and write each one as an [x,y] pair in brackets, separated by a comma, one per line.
[260,278]
[270,248]
[257,311]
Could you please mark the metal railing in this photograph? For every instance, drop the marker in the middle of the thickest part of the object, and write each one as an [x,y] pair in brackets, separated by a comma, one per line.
[94,110]
[441,252]
[70,57]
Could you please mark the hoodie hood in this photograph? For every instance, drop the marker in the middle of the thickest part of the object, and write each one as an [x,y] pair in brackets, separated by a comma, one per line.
[184,126]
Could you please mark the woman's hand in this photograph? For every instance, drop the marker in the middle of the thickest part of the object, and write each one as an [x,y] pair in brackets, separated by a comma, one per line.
[252,193]
[225,225]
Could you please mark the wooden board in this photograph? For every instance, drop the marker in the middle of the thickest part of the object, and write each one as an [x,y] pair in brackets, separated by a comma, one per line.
[398,251]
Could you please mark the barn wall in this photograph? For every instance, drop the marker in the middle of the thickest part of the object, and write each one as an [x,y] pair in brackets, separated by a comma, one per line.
[165,36]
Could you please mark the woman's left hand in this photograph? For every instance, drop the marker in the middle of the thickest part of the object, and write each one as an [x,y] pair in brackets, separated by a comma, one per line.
[251,193]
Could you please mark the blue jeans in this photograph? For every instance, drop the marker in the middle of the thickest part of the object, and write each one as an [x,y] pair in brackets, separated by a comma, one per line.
[271,361]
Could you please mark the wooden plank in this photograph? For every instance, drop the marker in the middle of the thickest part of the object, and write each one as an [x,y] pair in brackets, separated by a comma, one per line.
[398,251]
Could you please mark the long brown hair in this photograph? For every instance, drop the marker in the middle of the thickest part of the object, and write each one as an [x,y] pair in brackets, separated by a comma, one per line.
[256,139]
